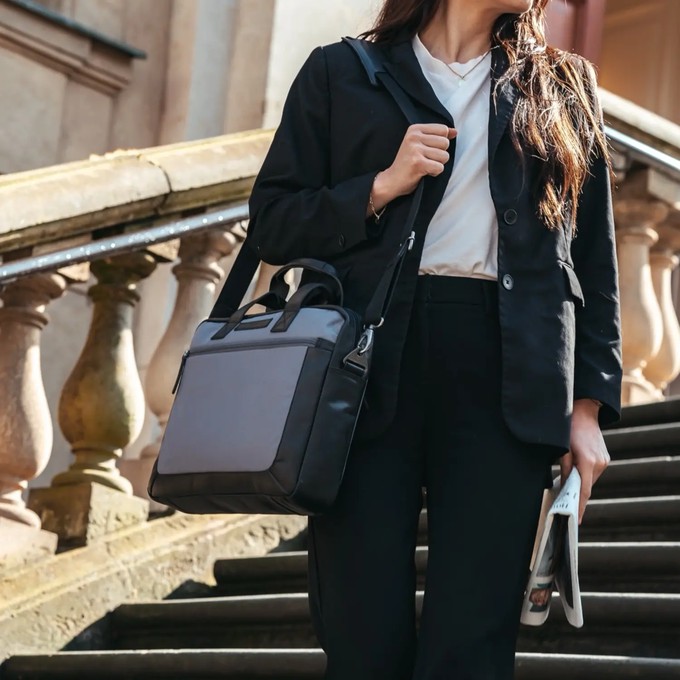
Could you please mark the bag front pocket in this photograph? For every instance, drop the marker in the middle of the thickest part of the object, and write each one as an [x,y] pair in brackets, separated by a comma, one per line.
[245,396]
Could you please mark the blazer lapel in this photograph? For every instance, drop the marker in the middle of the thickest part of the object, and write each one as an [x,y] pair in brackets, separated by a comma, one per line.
[503,104]
[402,64]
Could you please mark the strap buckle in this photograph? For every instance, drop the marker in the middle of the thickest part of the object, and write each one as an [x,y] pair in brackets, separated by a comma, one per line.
[358,359]
[366,340]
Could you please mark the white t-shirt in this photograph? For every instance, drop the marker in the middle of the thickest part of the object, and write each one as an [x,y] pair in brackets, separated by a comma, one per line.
[462,238]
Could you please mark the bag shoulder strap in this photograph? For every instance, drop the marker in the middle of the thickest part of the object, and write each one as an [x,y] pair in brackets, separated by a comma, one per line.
[370,56]
[236,284]
[247,261]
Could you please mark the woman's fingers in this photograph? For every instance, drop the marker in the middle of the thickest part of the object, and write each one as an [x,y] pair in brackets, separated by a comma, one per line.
[435,141]
[566,465]
[588,450]
[591,465]
[433,154]
[424,151]
[430,167]
[586,472]
[602,462]
[434,129]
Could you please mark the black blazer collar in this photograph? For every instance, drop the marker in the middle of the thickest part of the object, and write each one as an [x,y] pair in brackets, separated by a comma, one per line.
[402,64]
[404,67]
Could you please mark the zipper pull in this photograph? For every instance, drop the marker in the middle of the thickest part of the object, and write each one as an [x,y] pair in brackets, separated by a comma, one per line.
[181,370]
[411,240]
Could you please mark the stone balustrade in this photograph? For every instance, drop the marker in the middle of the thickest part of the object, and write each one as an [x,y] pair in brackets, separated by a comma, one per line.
[103,401]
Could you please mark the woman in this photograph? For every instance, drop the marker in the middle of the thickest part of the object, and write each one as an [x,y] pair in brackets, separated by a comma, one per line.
[501,351]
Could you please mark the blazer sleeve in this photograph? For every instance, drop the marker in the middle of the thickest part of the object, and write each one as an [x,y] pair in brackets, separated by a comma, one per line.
[597,370]
[295,211]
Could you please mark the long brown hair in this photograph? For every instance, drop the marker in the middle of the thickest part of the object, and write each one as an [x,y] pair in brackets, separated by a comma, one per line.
[557,117]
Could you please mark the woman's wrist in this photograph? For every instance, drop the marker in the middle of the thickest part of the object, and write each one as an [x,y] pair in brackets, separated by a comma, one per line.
[588,407]
[382,192]
[376,204]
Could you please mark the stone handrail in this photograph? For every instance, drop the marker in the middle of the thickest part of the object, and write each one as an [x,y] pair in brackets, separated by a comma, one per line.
[103,401]
[70,203]
[59,210]
[640,124]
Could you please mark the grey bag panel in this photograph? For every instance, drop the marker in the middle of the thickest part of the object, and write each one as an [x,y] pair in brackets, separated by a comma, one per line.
[310,322]
[235,387]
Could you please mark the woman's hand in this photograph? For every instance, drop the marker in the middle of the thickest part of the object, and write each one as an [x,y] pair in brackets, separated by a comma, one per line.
[588,451]
[424,151]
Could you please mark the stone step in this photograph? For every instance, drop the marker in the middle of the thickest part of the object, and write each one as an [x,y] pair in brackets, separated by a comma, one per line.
[653,518]
[635,624]
[654,413]
[654,476]
[651,567]
[300,664]
[643,441]
[618,567]
[638,624]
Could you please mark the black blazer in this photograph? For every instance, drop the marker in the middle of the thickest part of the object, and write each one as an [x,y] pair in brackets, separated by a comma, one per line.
[558,298]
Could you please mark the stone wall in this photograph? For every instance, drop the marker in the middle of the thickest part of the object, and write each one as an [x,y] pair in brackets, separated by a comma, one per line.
[79,91]
[641,54]
[301,25]
[211,67]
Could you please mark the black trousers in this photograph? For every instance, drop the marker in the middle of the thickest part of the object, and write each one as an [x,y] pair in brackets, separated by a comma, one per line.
[484,490]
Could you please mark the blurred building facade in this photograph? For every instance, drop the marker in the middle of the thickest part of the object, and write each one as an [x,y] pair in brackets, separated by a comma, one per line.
[81,77]
[91,350]
[89,76]
[633,43]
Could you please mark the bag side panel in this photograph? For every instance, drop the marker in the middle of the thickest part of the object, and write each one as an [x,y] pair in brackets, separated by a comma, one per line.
[305,403]
[330,440]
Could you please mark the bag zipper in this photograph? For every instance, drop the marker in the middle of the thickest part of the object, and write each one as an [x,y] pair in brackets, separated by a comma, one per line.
[305,342]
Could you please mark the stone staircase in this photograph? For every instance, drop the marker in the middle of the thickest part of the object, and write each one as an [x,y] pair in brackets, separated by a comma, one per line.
[255,623]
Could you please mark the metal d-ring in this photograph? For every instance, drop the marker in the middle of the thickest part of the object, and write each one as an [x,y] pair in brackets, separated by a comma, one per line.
[357,360]
[366,340]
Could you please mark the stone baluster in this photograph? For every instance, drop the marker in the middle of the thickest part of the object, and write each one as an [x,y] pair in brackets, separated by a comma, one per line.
[664,367]
[25,422]
[641,318]
[264,277]
[197,276]
[101,411]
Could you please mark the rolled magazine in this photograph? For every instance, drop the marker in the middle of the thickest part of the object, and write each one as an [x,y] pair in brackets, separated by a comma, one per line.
[555,561]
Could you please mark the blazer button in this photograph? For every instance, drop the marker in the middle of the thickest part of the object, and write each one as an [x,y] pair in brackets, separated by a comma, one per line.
[510,216]
[341,240]
[508,282]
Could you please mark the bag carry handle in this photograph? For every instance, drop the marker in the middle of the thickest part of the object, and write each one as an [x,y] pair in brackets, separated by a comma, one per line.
[280,287]
[269,300]
[312,293]
[247,261]
[308,294]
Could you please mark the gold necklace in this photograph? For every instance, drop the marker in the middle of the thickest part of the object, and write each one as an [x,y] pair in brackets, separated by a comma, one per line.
[462,78]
